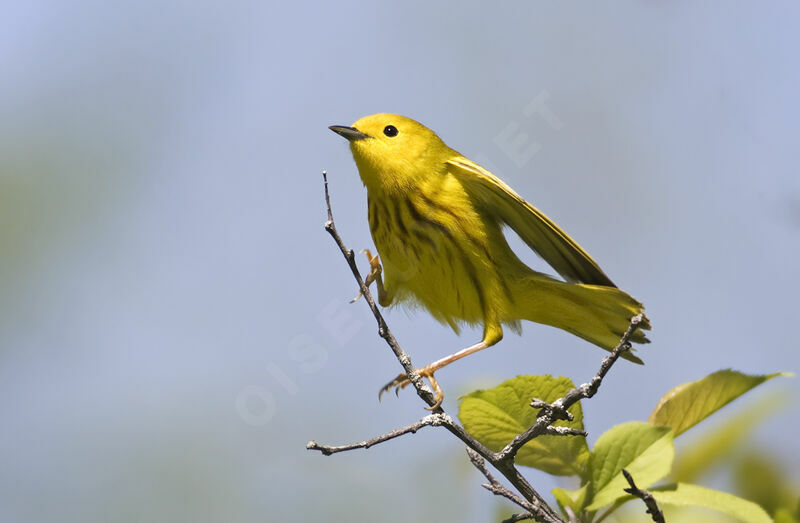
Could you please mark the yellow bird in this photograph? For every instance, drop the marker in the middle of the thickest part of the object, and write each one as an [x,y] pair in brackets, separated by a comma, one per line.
[437,220]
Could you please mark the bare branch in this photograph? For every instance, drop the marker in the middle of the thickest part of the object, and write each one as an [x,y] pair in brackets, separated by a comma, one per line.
[649,501]
[432,419]
[503,461]
[531,501]
[423,390]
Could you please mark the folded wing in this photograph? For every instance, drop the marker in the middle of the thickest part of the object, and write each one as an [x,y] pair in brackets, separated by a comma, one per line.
[537,230]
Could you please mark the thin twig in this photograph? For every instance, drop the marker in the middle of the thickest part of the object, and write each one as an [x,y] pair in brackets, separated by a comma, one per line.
[423,390]
[431,419]
[649,500]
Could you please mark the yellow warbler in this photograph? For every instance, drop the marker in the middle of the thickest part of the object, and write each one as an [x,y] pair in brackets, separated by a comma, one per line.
[436,218]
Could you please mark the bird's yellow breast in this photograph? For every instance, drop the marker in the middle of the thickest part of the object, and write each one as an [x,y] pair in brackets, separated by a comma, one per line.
[435,251]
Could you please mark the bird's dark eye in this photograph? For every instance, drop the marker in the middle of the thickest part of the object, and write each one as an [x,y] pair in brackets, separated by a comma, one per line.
[390,130]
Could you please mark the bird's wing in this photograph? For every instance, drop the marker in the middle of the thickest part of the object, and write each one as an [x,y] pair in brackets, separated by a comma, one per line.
[536,229]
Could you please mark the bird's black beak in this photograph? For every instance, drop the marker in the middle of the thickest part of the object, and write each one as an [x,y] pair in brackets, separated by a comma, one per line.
[351,133]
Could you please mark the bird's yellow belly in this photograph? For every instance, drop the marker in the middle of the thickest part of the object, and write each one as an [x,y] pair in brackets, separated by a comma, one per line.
[427,263]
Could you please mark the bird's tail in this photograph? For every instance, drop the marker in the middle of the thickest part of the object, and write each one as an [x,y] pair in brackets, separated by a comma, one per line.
[595,313]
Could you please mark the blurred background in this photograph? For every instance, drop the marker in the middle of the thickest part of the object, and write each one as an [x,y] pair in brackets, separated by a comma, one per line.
[174,320]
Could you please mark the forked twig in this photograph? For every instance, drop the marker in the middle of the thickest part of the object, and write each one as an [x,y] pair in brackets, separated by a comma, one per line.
[534,504]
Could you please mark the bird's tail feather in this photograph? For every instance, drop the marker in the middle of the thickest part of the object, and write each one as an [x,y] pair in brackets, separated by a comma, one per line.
[595,313]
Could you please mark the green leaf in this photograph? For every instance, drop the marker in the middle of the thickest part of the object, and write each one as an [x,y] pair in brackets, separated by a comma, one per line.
[644,450]
[690,403]
[685,494]
[575,499]
[495,416]
[715,445]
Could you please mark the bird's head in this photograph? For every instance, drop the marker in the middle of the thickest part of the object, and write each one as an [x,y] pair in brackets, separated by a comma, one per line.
[392,151]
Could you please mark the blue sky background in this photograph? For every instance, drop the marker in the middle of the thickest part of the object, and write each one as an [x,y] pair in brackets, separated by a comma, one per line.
[174,324]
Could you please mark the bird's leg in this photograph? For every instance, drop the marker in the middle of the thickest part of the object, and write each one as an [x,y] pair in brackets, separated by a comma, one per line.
[492,334]
[374,276]
[401,381]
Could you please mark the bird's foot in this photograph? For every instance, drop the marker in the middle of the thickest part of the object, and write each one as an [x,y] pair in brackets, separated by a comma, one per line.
[402,381]
[375,270]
